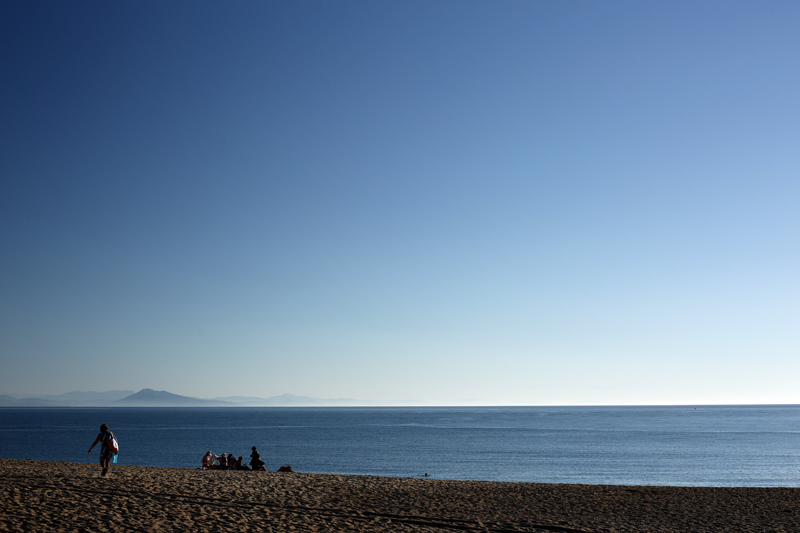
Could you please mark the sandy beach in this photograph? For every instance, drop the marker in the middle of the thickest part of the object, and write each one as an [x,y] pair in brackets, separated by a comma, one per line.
[49,496]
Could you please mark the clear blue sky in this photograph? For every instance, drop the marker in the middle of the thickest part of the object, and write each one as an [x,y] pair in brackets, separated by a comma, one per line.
[448,201]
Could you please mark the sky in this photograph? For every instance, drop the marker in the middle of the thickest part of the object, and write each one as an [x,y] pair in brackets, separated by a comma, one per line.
[446,202]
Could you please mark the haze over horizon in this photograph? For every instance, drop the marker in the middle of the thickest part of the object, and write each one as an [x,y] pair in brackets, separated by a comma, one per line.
[505,203]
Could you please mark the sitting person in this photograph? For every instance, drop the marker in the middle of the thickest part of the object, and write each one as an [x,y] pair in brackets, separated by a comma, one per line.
[231,461]
[208,460]
[255,462]
[223,461]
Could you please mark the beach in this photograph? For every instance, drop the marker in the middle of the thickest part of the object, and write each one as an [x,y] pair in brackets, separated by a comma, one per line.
[52,496]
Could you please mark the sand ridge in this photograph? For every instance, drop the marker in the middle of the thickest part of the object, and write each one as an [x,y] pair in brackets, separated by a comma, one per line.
[50,496]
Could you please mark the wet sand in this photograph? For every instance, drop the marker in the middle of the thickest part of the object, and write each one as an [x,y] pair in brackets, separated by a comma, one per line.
[48,496]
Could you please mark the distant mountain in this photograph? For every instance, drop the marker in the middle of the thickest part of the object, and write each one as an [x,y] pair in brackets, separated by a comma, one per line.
[70,399]
[154,398]
[291,400]
[79,398]
[6,400]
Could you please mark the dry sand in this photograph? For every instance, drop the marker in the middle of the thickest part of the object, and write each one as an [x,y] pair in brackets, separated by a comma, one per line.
[46,496]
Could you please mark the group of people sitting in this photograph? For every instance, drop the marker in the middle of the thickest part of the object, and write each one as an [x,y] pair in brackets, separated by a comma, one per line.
[212,461]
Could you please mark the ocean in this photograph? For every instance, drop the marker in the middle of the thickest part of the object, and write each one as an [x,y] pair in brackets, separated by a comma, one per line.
[749,446]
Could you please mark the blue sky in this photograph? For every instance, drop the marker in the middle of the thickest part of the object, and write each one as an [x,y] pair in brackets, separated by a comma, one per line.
[447,202]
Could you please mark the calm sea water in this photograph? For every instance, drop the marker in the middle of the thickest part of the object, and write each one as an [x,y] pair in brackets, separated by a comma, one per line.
[702,446]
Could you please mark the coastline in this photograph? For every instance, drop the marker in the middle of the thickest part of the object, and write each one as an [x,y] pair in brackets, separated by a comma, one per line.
[54,496]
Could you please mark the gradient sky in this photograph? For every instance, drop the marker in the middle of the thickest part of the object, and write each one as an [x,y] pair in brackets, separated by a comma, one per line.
[442,201]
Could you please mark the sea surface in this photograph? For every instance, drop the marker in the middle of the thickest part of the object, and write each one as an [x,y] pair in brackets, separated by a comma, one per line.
[753,446]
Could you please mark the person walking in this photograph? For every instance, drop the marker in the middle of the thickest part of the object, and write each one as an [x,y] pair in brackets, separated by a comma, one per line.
[106,439]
